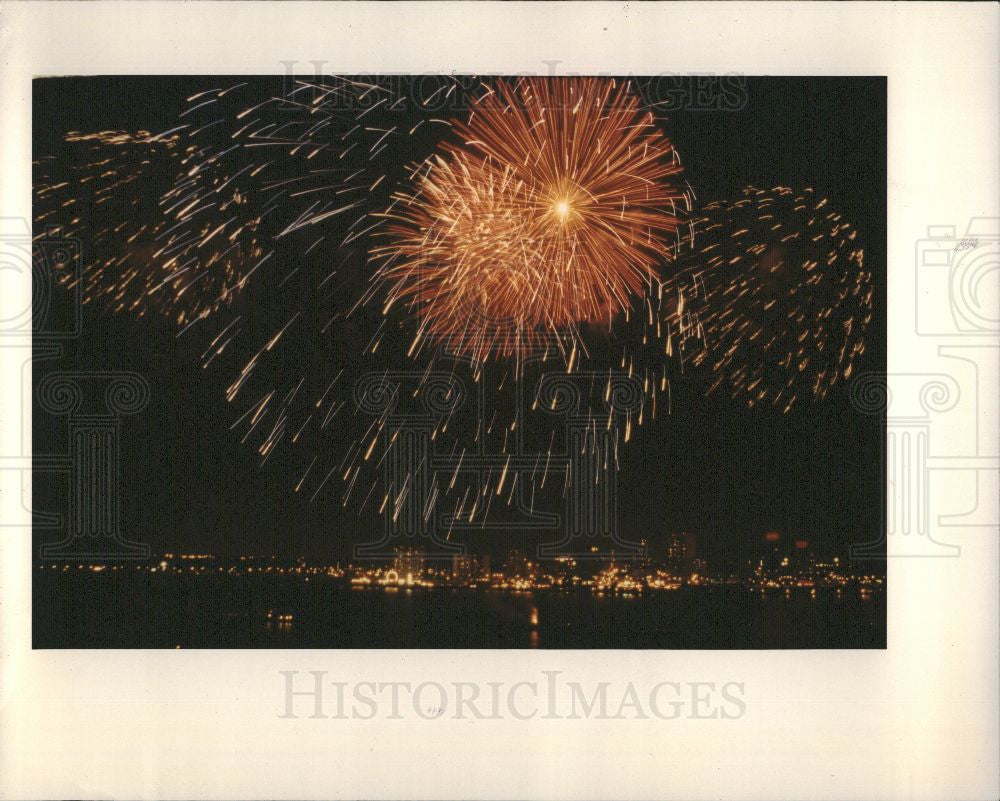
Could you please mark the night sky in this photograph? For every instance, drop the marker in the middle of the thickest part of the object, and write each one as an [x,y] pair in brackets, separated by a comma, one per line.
[712,466]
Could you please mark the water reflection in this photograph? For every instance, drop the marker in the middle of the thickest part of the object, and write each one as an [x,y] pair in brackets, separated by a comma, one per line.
[130,610]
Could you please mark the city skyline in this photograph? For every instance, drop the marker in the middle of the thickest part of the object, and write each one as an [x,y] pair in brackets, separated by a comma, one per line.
[680,559]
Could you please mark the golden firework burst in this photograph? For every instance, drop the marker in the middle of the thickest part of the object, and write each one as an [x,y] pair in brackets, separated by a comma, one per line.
[773,297]
[557,206]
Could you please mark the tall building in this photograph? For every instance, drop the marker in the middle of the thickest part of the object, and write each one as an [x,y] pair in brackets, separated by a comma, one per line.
[468,567]
[782,557]
[643,560]
[773,560]
[682,550]
[409,562]
[518,564]
[803,560]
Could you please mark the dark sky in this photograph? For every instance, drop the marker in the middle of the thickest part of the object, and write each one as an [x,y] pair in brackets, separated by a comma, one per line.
[711,466]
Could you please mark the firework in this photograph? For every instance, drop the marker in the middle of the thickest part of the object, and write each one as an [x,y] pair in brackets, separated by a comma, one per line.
[233,224]
[550,220]
[105,188]
[201,212]
[772,297]
[557,206]
[178,223]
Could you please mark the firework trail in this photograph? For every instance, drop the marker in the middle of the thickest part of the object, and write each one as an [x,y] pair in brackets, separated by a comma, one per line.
[179,222]
[103,187]
[772,298]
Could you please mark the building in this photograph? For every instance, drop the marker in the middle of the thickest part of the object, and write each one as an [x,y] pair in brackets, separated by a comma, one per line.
[469,568]
[409,562]
[682,550]
[520,566]
[643,560]
[783,557]
[802,560]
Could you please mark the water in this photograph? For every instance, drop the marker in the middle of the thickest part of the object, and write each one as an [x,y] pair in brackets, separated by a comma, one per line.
[136,609]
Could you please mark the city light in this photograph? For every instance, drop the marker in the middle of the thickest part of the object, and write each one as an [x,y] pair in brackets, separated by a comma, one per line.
[681,568]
